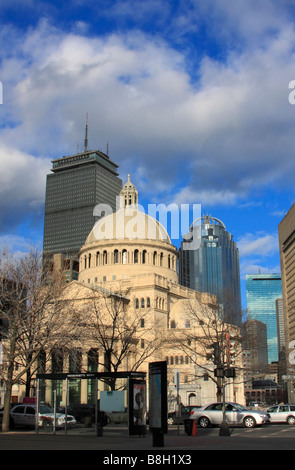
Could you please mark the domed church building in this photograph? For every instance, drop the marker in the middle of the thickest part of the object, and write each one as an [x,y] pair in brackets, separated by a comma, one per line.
[129,263]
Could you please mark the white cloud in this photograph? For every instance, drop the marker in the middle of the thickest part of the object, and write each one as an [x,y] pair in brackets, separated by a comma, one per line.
[227,133]
[257,245]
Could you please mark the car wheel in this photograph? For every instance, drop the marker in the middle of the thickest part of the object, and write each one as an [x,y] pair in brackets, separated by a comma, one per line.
[204,422]
[47,424]
[291,420]
[249,422]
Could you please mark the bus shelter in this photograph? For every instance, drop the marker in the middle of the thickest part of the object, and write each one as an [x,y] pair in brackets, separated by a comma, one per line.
[91,393]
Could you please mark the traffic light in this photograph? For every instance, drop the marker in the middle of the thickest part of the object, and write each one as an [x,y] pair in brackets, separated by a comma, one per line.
[230,372]
[216,354]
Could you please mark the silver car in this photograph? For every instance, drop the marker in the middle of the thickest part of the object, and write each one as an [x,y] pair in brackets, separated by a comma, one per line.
[24,415]
[235,415]
[282,414]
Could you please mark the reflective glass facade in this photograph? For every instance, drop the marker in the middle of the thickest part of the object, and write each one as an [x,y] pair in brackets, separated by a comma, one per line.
[214,267]
[262,291]
[76,185]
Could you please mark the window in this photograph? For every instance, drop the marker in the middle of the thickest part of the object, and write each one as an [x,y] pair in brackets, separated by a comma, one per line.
[136,256]
[142,303]
[136,303]
[116,257]
[30,410]
[172,324]
[144,257]
[154,257]
[97,258]
[142,323]
[148,302]
[104,257]
[142,344]
[187,324]
[124,254]
[19,410]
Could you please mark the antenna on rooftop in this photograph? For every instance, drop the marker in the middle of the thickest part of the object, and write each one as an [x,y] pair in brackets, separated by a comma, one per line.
[86,134]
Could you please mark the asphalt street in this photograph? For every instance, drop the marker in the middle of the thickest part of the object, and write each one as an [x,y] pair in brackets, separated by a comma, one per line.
[116,438]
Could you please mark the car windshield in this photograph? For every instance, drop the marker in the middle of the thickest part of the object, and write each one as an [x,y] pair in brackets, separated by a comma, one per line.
[44,409]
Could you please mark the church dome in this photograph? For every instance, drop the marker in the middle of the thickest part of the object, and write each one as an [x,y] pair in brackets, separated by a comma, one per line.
[128,242]
[128,223]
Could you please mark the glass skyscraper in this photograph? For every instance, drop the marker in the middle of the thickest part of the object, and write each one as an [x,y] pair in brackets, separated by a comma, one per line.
[76,185]
[262,291]
[214,266]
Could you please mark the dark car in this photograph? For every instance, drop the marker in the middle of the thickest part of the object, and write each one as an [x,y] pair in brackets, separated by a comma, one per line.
[85,414]
[185,413]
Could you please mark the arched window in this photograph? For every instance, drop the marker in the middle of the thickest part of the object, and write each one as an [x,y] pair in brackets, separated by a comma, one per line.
[136,303]
[85,262]
[135,256]
[187,324]
[161,259]
[116,257]
[142,303]
[169,261]
[154,257]
[89,260]
[172,324]
[144,257]
[97,258]
[105,257]
[124,256]
[148,302]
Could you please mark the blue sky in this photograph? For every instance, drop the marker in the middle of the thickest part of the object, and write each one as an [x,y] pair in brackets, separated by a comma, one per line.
[191,96]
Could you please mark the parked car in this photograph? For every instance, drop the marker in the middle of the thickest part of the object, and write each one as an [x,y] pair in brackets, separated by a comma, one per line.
[212,415]
[282,414]
[185,413]
[24,415]
[85,413]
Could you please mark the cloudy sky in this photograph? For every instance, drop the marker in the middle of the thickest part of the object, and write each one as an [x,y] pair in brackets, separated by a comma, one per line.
[191,97]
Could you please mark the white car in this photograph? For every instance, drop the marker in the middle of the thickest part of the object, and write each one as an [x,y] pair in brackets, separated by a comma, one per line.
[282,414]
[235,415]
[24,415]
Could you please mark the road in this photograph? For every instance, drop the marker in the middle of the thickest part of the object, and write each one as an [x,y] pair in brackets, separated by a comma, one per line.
[115,438]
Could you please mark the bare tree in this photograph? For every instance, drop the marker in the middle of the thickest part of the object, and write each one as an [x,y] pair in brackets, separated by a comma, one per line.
[124,336]
[212,344]
[31,318]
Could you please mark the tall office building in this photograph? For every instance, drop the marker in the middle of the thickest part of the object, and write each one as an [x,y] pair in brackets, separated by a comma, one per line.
[76,185]
[262,291]
[254,335]
[286,231]
[214,266]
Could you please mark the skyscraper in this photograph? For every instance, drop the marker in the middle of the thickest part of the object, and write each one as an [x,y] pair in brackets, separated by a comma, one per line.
[287,258]
[76,185]
[262,291]
[213,267]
